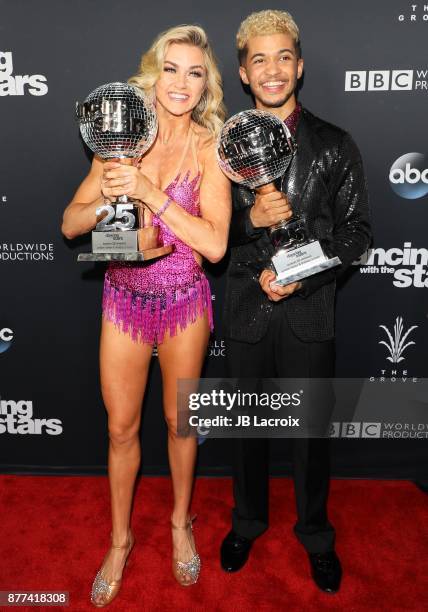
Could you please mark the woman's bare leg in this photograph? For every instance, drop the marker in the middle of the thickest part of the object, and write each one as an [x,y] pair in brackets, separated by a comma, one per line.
[124,366]
[181,356]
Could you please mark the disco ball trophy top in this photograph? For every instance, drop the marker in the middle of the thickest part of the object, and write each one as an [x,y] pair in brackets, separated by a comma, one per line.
[117,122]
[254,148]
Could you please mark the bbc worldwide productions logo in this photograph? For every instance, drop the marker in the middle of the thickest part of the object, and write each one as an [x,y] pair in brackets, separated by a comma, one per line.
[216,348]
[26,251]
[386,80]
[355,430]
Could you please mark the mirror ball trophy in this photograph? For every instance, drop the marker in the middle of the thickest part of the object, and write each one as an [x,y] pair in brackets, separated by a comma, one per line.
[254,148]
[117,123]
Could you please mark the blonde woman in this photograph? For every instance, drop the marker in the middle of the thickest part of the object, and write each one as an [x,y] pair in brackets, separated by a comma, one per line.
[167,302]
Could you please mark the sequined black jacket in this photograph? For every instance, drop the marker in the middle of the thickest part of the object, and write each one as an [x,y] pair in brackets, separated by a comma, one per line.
[326,183]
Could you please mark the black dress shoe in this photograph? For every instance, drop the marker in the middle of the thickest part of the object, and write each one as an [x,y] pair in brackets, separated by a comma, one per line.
[234,552]
[326,571]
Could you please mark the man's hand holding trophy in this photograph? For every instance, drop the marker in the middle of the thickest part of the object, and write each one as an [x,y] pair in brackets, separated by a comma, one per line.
[255,148]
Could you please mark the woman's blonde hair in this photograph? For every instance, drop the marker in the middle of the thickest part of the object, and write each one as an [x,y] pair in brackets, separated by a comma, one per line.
[210,111]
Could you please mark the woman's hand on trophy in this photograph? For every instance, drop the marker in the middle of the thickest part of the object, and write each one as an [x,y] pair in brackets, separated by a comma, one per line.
[120,179]
[276,292]
[269,209]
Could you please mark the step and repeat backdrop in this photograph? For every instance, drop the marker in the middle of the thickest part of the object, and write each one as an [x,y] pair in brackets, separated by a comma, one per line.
[366,70]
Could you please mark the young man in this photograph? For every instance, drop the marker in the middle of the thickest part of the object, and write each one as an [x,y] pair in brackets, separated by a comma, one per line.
[288,331]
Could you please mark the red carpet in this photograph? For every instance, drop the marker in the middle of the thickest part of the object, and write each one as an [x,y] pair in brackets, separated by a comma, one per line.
[55,532]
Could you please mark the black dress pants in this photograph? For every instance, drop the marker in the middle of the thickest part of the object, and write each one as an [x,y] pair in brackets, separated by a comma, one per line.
[281,354]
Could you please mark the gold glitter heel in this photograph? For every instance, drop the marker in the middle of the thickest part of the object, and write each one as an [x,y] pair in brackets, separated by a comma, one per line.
[109,590]
[187,572]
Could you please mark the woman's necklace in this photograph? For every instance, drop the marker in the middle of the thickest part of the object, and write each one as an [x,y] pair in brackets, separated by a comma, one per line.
[165,140]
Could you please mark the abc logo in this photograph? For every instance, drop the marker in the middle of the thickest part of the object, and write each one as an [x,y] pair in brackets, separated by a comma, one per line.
[6,337]
[409,176]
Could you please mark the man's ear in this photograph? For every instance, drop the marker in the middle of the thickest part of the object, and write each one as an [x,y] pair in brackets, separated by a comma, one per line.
[300,64]
[243,75]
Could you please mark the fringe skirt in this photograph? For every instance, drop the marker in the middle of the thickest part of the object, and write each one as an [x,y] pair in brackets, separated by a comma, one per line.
[147,316]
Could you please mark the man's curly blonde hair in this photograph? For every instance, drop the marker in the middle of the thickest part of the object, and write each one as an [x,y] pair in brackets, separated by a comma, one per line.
[263,23]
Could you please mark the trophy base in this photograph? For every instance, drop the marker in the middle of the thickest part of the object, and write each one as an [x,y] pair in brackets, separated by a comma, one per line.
[145,255]
[125,241]
[292,265]
[295,275]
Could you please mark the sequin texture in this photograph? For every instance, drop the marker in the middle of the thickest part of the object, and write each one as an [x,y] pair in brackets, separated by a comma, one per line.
[146,300]
[326,184]
[293,118]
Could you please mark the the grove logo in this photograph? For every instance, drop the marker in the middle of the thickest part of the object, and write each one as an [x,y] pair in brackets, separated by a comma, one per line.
[6,337]
[409,176]
[415,13]
[396,343]
[19,85]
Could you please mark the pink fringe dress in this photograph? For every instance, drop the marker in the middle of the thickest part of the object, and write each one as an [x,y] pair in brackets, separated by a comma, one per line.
[147,300]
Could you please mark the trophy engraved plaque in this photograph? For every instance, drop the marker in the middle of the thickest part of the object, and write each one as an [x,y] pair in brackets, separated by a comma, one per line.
[254,148]
[117,123]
